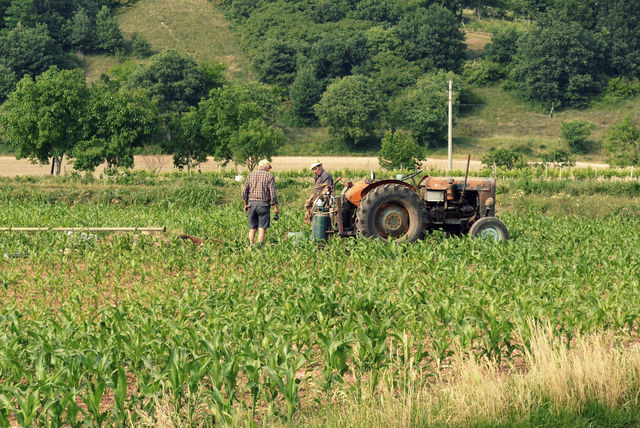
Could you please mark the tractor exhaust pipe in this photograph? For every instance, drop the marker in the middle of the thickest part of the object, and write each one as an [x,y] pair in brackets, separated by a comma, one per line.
[466,176]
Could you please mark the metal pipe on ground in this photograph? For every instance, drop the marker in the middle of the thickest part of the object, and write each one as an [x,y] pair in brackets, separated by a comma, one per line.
[83,229]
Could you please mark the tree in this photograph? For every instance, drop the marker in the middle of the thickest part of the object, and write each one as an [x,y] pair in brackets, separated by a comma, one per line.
[392,73]
[109,37]
[377,11]
[503,46]
[175,83]
[44,118]
[622,142]
[422,109]
[116,123]
[576,134]
[620,23]
[327,11]
[559,157]
[558,64]
[189,147]
[337,52]
[433,37]
[480,6]
[254,141]
[351,108]
[400,150]
[529,8]
[20,12]
[140,46]
[228,109]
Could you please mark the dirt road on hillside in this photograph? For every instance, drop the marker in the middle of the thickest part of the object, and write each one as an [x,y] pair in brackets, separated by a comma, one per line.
[11,167]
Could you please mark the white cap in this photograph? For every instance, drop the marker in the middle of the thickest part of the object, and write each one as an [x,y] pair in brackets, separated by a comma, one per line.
[317,163]
[264,162]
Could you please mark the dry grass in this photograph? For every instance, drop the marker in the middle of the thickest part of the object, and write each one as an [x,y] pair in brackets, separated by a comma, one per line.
[96,65]
[475,42]
[595,368]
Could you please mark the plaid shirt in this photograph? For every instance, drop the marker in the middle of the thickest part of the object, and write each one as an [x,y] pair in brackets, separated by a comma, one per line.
[319,181]
[260,186]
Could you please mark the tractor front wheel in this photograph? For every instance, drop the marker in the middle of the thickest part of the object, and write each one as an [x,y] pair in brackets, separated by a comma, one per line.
[490,228]
[392,212]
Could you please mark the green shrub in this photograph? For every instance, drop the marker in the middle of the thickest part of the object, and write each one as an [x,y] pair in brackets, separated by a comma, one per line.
[576,133]
[399,150]
[509,159]
[621,88]
[481,72]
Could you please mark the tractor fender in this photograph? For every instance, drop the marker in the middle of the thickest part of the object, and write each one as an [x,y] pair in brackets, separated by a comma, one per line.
[356,193]
[382,183]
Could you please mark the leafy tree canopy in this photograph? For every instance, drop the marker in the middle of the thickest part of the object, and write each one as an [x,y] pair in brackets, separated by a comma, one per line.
[174,81]
[422,109]
[253,141]
[559,63]
[43,119]
[229,109]
[188,145]
[115,124]
[28,50]
[432,36]
[504,158]
[576,134]
[351,108]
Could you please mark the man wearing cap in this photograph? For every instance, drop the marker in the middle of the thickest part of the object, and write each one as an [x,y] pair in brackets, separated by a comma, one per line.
[321,180]
[258,195]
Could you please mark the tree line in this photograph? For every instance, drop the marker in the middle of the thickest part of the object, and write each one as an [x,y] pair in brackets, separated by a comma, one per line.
[361,67]
[191,109]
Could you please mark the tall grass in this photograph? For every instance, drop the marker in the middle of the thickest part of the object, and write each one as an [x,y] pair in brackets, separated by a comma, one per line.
[595,381]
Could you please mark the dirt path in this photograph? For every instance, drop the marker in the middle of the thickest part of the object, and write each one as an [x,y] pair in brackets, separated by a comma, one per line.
[11,167]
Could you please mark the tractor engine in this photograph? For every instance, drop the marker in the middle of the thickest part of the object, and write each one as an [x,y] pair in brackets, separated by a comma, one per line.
[454,205]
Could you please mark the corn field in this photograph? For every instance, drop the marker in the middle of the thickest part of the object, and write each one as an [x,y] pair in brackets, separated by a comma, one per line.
[99,329]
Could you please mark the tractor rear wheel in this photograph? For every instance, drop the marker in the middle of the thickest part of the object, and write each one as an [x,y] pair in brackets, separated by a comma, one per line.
[489,228]
[392,212]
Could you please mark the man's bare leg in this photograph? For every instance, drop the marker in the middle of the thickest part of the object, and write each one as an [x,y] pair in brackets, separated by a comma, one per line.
[261,233]
[252,235]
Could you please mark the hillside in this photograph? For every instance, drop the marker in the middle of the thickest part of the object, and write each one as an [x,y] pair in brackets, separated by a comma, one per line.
[195,27]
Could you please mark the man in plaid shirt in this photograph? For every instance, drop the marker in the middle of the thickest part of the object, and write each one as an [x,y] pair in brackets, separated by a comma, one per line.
[258,195]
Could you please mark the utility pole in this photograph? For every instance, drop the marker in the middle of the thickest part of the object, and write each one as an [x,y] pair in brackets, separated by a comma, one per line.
[450,131]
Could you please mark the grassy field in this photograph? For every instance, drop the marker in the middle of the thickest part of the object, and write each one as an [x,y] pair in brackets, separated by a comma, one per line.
[158,330]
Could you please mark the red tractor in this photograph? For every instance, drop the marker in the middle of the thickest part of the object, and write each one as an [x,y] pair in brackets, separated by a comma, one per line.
[397,210]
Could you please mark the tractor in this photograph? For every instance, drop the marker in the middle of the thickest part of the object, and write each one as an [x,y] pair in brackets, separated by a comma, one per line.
[398,210]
